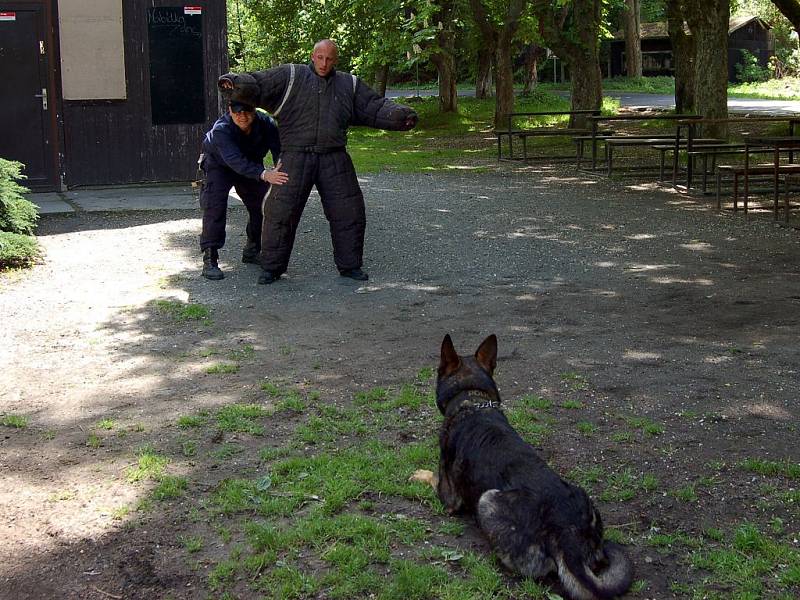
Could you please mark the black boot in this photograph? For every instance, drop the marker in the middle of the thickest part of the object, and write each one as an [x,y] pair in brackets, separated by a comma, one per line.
[250,253]
[211,269]
[356,274]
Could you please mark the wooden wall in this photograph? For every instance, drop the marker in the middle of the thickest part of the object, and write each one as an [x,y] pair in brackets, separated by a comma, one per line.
[114,141]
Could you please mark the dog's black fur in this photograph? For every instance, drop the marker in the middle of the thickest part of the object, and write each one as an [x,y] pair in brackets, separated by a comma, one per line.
[536,522]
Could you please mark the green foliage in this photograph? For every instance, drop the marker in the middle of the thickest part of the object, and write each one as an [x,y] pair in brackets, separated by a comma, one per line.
[18,218]
[17,250]
[748,70]
[17,215]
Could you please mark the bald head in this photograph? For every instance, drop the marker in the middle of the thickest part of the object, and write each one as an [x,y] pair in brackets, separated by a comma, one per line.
[324,57]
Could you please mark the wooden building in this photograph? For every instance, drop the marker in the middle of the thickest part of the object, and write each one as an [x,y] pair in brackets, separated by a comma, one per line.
[103,92]
[744,33]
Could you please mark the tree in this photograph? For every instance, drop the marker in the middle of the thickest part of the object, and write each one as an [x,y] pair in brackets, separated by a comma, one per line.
[571,28]
[708,22]
[682,55]
[443,54]
[499,32]
[790,10]
[633,39]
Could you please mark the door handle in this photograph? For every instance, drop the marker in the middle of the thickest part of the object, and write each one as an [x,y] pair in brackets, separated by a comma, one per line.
[43,96]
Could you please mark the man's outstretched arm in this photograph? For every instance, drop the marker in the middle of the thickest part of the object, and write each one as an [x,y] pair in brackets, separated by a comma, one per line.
[373,110]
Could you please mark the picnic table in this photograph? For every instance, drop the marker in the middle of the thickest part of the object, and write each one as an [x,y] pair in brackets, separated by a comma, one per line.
[523,134]
[596,120]
[777,144]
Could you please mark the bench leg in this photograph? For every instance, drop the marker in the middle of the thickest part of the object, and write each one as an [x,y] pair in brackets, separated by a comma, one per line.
[736,192]
[661,166]
[609,158]
[719,199]
[524,148]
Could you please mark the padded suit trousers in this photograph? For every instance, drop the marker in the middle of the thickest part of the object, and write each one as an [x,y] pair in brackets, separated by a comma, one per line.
[217,182]
[342,202]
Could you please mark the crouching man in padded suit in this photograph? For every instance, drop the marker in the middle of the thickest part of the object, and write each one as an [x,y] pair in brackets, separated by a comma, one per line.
[314,105]
[233,156]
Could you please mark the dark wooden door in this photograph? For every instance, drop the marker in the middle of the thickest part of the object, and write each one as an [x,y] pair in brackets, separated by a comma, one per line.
[28,103]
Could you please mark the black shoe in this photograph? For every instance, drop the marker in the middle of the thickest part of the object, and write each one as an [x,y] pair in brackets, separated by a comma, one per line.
[267,277]
[356,274]
[211,269]
[250,253]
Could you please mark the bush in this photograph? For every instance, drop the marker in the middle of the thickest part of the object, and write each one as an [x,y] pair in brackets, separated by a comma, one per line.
[17,215]
[17,250]
[748,70]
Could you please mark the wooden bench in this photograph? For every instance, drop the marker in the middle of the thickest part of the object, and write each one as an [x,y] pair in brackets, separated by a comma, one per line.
[679,121]
[522,134]
[758,170]
[652,142]
[714,150]
[695,147]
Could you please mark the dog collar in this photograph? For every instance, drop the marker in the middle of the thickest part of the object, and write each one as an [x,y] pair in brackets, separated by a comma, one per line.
[473,398]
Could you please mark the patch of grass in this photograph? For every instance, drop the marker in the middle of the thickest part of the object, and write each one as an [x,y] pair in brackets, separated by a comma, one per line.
[575,380]
[529,424]
[241,418]
[189,448]
[170,487]
[535,402]
[192,421]
[646,425]
[586,477]
[587,428]
[226,451]
[223,369]
[624,437]
[623,485]
[749,564]
[182,311]
[572,404]
[292,401]
[15,421]
[149,466]
[770,468]
[191,543]
[94,441]
[107,424]
[246,352]
[425,374]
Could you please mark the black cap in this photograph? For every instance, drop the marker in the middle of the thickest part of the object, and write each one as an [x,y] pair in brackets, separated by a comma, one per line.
[241,106]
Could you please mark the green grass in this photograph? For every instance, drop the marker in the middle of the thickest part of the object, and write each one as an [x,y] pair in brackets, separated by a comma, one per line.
[15,421]
[106,424]
[747,563]
[223,369]
[182,311]
[149,466]
[170,487]
[769,468]
[241,418]
[192,421]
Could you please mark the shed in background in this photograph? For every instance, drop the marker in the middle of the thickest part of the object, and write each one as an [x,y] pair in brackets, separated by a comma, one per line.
[105,92]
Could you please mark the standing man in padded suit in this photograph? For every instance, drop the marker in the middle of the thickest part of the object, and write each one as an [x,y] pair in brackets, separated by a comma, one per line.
[314,105]
[233,156]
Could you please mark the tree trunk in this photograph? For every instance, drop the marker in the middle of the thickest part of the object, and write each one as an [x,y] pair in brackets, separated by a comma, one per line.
[709,25]
[444,57]
[503,62]
[633,39]
[682,57]
[483,78]
[533,54]
[575,40]
[381,78]
[446,68]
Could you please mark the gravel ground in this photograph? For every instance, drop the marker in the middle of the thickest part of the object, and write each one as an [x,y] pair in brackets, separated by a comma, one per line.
[663,307]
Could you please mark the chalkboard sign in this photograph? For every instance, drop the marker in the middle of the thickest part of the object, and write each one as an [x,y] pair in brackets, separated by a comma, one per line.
[177,83]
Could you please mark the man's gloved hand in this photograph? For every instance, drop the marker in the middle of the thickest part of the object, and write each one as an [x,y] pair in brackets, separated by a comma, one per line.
[411,121]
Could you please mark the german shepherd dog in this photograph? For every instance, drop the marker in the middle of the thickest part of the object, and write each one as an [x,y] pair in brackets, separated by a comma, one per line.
[536,522]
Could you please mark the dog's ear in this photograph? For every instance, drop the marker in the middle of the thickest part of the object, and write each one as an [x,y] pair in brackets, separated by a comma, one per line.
[486,354]
[449,361]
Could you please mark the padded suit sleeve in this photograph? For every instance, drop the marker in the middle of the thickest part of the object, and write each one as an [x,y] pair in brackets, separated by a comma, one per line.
[263,89]
[373,110]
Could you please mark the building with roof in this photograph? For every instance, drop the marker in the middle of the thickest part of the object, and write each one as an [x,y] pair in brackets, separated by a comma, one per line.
[745,32]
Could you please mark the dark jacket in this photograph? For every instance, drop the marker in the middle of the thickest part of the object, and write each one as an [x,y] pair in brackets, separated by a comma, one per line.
[227,146]
[314,112]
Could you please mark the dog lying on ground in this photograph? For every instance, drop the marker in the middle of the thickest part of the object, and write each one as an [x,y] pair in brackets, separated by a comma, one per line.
[536,522]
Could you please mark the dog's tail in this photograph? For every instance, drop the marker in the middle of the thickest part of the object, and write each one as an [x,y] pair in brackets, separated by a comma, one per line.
[583,583]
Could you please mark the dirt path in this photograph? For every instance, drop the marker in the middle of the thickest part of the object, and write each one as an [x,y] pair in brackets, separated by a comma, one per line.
[634,303]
